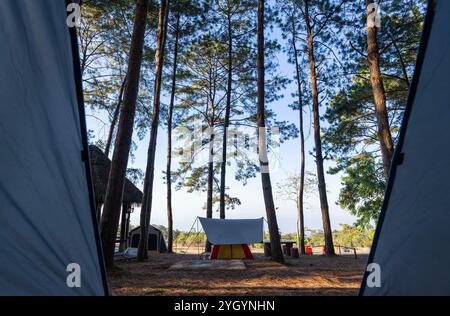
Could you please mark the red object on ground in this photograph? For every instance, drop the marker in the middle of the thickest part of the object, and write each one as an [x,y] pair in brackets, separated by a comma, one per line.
[308,250]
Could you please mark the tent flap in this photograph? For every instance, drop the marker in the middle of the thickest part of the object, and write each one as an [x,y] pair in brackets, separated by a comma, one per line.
[233,231]
[49,238]
[411,241]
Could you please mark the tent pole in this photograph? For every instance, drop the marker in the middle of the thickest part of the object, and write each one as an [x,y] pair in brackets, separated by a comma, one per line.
[198,245]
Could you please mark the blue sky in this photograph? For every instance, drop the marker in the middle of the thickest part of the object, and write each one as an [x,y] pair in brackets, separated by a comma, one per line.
[187,206]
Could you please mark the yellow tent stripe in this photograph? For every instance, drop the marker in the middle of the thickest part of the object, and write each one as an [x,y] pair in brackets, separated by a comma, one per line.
[231,252]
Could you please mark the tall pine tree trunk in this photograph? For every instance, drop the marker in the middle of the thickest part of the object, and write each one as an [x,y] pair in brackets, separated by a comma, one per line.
[379,96]
[317,138]
[115,118]
[212,123]
[147,198]
[275,242]
[210,185]
[223,164]
[300,199]
[169,140]
[114,191]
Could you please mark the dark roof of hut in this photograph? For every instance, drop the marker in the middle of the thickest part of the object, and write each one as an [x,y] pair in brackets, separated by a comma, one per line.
[100,165]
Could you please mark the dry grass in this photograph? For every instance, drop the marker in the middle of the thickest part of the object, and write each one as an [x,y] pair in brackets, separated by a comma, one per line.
[309,275]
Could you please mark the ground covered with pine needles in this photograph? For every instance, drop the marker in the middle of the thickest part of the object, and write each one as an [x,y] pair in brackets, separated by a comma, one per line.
[308,275]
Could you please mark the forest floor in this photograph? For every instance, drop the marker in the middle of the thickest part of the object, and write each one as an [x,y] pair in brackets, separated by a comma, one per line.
[308,275]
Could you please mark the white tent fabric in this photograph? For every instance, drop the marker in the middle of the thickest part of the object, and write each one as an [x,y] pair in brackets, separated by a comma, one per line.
[412,238]
[233,231]
[46,205]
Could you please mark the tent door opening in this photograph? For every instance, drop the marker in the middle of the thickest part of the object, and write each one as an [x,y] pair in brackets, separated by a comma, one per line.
[152,241]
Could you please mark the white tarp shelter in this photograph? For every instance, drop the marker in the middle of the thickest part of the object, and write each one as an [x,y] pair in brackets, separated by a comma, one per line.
[47,213]
[233,231]
[412,237]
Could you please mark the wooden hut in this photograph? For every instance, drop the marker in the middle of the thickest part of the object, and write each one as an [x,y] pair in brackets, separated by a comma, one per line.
[132,196]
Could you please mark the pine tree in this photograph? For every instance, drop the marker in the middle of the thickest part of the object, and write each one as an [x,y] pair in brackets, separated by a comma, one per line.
[149,172]
[275,239]
[114,191]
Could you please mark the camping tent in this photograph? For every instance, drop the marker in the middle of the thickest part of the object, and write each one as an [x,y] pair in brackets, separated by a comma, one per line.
[411,240]
[49,237]
[156,240]
[237,251]
[230,237]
